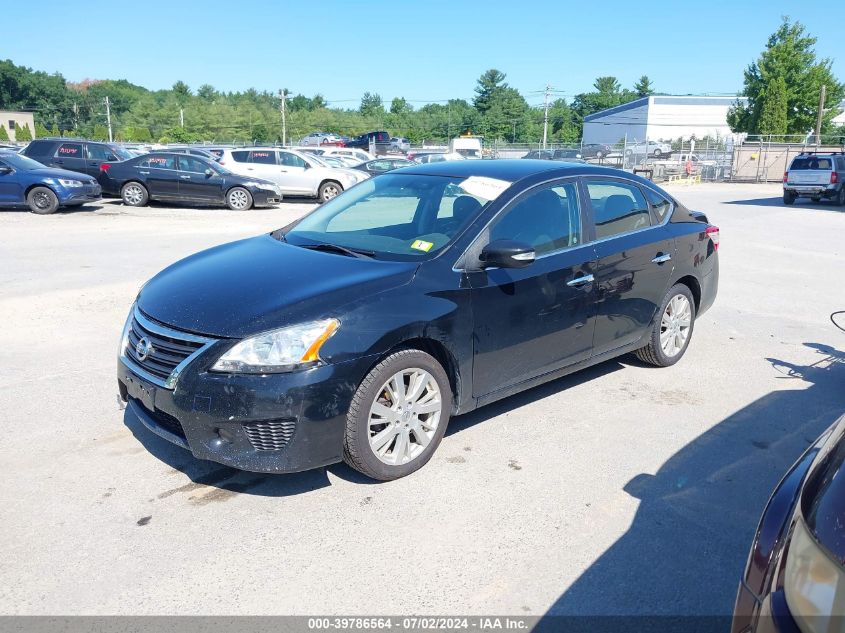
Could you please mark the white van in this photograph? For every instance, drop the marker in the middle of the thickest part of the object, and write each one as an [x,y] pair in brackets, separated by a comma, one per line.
[466,146]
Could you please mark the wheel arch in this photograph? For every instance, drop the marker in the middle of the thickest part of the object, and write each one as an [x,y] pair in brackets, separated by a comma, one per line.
[691,282]
[40,184]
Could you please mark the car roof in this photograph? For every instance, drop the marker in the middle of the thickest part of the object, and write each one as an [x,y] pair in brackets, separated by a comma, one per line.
[512,169]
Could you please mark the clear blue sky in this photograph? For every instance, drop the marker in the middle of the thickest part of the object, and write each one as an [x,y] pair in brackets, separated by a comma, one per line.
[427,50]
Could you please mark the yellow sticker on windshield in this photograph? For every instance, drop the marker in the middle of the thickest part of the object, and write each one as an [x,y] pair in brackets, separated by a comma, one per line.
[422,245]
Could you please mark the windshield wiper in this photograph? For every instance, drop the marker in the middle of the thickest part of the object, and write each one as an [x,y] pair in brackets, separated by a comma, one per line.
[337,248]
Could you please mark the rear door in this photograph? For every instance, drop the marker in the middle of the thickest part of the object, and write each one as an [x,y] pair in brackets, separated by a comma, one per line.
[195,183]
[634,251]
[160,174]
[69,156]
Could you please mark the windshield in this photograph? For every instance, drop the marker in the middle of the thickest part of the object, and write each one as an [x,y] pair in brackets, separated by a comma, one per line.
[402,217]
[21,163]
[121,153]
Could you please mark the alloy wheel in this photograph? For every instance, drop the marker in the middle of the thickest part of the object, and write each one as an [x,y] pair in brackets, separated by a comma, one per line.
[133,194]
[675,325]
[238,199]
[330,192]
[404,416]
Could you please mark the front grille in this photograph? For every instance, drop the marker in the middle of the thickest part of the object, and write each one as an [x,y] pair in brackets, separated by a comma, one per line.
[270,435]
[165,351]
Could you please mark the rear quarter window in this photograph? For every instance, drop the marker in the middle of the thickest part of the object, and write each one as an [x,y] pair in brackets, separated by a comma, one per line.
[241,156]
[40,148]
[811,163]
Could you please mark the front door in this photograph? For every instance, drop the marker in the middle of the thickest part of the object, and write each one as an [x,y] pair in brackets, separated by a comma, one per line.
[295,175]
[96,155]
[533,320]
[11,191]
[635,253]
[195,183]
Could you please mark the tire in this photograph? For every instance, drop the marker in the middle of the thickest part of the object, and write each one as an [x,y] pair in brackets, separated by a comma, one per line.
[657,153]
[328,190]
[840,198]
[390,449]
[667,352]
[789,197]
[238,199]
[134,194]
[42,200]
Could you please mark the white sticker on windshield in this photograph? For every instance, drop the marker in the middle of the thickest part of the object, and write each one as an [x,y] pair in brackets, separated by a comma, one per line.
[483,187]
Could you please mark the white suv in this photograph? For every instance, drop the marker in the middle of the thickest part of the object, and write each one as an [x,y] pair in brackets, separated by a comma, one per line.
[296,173]
[815,175]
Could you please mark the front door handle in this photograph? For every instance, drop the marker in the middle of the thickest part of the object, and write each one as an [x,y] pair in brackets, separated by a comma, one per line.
[185,177]
[662,258]
[144,172]
[580,281]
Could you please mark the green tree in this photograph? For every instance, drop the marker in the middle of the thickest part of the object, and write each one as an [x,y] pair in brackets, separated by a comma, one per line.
[607,85]
[54,131]
[773,113]
[371,104]
[789,54]
[23,134]
[318,101]
[182,92]
[100,133]
[491,83]
[400,106]
[643,87]
[40,130]
[4,135]
[207,92]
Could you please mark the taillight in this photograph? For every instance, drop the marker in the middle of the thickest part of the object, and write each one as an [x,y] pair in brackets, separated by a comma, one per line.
[104,166]
[785,176]
[834,177]
[222,162]
[713,233]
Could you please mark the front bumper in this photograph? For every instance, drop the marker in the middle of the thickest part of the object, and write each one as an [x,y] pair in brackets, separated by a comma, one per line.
[265,197]
[272,423]
[80,195]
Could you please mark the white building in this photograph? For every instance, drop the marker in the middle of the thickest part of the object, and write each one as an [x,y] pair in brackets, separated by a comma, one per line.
[840,119]
[660,118]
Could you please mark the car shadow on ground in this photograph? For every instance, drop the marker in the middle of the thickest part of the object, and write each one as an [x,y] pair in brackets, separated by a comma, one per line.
[801,203]
[205,473]
[686,548]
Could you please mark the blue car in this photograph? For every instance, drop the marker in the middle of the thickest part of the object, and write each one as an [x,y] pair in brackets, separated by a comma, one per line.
[27,183]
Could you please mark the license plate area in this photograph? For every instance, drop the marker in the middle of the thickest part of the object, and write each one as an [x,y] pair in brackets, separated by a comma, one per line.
[140,389]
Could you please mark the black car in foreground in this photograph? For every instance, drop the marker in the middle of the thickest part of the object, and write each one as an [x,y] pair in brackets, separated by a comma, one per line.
[357,331]
[176,177]
[794,580]
[383,165]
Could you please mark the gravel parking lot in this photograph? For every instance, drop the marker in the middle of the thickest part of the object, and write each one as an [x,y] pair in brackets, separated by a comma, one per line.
[622,489]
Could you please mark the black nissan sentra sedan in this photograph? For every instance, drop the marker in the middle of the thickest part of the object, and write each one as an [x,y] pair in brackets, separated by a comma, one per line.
[794,580]
[176,177]
[356,332]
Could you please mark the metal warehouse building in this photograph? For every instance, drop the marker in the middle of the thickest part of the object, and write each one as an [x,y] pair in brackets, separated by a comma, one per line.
[660,118]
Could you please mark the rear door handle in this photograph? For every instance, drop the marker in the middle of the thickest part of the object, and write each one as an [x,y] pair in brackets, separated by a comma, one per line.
[662,258]
[185,177]
[580,281]
[144,172]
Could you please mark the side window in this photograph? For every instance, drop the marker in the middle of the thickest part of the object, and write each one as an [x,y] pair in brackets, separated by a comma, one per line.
[617,207]
[189,163]
[660,204]
[241,156]
[69,150]
[97,152]
[291,160]
[548,219]
[162,162]
[263,157]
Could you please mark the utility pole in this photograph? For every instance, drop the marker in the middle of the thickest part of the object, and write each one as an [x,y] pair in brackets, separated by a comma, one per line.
[181,117]
[821,115]
[546,115]
[108,118]
[283,98]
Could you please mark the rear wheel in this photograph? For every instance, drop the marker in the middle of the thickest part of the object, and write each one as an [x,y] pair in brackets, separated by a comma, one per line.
[789,197]
[238,199]
[398,416]
[134,194]
[840,199]
[42,200]
[328,190]
[672,329]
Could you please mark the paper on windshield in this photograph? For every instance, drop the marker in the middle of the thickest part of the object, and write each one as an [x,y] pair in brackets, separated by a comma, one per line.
[483,187]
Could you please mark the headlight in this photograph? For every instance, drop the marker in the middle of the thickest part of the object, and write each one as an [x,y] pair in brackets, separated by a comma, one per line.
[70,183]
[814,584]
[278,350]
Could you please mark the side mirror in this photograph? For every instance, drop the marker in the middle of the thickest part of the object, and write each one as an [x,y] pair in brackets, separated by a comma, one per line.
[209,173]
[507,254]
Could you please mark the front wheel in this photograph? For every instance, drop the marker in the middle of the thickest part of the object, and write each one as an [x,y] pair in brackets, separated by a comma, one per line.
[238,199]
[398,416]
[42,200]
[672,330]
[329,190]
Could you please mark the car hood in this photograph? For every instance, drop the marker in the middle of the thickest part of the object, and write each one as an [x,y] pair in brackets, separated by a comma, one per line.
[246,287]
[52,172]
